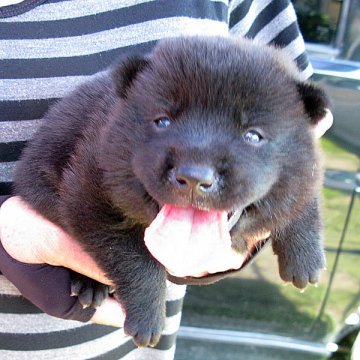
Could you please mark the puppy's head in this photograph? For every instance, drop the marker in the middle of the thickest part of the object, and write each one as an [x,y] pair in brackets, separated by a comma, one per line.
[211,123]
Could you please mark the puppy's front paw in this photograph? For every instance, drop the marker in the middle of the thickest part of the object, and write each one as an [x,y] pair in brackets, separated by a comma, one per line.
[145,330]
[301,270]
[90,292]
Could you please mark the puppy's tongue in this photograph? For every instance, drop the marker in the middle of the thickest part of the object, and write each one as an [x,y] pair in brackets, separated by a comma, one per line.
[182,224]
[183,239]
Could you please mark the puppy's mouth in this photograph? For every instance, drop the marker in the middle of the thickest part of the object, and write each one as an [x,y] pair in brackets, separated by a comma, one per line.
[188,233]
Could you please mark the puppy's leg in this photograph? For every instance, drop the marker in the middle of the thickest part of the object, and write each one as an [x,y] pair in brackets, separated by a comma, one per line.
[117,245]
[299,249]
[139,280]
[141,289]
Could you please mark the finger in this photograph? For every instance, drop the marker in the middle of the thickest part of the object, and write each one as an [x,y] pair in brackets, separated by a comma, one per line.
[324,124]
[109,313]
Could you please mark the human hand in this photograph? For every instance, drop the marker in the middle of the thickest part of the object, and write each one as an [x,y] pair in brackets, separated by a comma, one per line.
[33,241]
[324,124]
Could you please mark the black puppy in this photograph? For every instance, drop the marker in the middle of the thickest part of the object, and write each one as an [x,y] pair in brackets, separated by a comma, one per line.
[200,125]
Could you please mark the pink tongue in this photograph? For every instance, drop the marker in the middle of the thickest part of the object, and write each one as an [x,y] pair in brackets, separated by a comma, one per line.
[182,232]
[182,223]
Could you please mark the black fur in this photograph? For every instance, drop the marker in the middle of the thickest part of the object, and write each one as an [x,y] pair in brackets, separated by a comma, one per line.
[314,100]
[101,166]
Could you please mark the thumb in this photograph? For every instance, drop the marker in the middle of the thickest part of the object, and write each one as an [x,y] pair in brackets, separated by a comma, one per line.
[109,313]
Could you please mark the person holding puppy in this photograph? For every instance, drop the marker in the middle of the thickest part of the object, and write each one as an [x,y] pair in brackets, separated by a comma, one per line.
[50,47]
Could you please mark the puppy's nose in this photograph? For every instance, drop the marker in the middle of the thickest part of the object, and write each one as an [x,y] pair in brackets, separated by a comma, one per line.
[199,178]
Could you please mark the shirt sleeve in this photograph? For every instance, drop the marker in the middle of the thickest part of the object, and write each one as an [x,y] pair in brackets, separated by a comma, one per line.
[271,22]
[46,286]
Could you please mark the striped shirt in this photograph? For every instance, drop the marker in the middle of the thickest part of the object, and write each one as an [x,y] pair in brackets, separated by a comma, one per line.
[48,48]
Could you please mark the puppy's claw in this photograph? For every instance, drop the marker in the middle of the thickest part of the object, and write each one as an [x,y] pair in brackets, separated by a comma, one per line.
[76,287]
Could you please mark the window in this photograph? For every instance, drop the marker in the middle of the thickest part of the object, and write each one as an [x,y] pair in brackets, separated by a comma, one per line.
[318,19]
[333,25]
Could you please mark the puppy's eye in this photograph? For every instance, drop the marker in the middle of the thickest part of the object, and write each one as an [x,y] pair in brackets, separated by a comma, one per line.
[162,122]
[252,137]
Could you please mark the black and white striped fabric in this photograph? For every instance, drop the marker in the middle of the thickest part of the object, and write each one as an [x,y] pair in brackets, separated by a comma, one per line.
[26,333]
[49,47]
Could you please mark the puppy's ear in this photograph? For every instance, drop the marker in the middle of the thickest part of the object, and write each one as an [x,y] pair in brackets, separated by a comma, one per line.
[315,101]
[126,72]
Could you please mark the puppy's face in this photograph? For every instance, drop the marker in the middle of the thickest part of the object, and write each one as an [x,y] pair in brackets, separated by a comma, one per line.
[213,124]
[206,159]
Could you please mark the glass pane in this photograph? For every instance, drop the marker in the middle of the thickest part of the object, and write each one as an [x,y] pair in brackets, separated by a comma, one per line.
[350,46]
[318,19]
